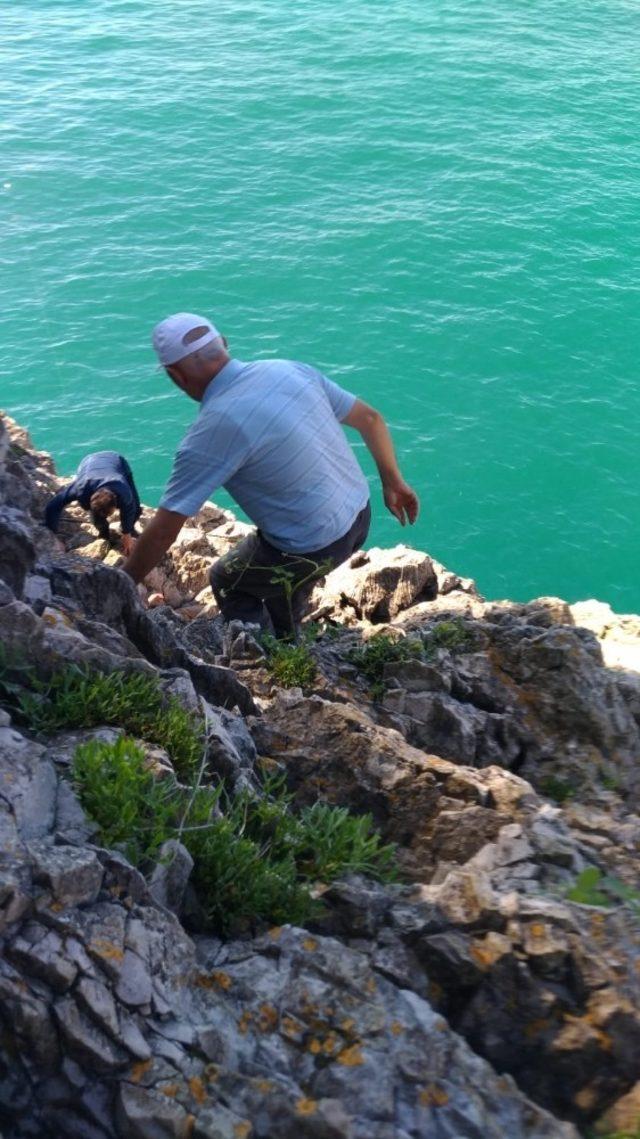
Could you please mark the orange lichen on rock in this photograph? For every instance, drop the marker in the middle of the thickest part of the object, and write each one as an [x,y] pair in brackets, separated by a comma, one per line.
[197,1089]
[306,1106]
[351,1057]
[433,1096]
[138,1070]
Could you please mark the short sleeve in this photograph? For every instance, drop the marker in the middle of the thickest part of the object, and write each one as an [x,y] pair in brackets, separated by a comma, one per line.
[202,464]
[340,399]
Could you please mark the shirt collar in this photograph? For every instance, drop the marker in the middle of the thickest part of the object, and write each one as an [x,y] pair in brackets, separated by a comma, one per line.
[222,380]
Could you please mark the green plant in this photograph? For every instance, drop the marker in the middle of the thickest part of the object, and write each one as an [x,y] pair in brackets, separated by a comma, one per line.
[593,888]
[610,781]
[238,881]
[381,650]
[80,698]
[585,889]
[136,812]
[451,635]
[333,842]
[556,788]
[290,663]
[254,858]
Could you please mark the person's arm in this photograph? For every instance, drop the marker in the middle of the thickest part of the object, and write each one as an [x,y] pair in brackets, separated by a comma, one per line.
[155,540]
[56,505]
[128,515]
[399,498]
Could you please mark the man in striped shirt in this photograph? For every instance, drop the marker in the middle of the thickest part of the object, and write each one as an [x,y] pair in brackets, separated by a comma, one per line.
[269,432]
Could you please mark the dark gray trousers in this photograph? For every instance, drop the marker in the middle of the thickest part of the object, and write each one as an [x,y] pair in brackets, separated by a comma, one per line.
[255,582]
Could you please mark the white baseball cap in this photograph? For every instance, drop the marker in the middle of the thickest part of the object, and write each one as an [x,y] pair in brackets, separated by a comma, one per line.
[169,337]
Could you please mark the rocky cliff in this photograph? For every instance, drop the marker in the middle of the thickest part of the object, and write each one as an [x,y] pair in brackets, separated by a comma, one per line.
[491,991]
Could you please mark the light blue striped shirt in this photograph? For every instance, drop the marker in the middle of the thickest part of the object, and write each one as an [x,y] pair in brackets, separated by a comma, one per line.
[269,432]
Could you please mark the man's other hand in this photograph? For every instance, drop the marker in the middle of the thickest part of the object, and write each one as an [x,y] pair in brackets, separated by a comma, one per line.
[402,501]
[128,544]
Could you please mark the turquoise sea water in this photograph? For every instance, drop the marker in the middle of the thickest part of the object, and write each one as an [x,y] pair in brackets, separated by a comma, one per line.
[435,201]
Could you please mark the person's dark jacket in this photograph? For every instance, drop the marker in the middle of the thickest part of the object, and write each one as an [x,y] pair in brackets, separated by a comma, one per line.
[104,470]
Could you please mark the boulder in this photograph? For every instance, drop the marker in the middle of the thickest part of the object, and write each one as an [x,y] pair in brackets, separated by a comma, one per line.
[376,585]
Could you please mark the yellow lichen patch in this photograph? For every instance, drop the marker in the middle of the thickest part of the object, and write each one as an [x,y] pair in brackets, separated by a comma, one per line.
[351,1057]
[306,1106]
[433,1096]
[267,1018]
[264,1086]
[242,1130]
[170,1090]
[290,1026]
[212,1073]
[538,929]
[330,1044]
[222,980]
[395,1028]
[56,907]
[310,944]
[106,949]
[196,1087]
[245,1021]
[138,1070]
[348,1025]
[370,985]
[314,1046]
[275,932]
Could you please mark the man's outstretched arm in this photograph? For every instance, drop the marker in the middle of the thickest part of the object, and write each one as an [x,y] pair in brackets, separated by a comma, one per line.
[399,498]
[155,540]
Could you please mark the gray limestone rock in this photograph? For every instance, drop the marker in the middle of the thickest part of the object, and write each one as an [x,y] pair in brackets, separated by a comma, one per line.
[28,785]
[378,584]
[17,551]
[168,881]
[87,1044]
[144,1113]
[72,875]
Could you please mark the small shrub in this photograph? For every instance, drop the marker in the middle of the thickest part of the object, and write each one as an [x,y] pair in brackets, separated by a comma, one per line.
[585,890]
[451,635]
[291,665]
[255,861]
[381,650]
[333,842]
[593,888]
[555,788]
[238,882]
[135,811]
[80,698]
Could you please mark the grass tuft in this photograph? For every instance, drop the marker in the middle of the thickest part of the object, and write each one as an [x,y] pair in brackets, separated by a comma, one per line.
[83,698]
[290,664]
[451,635]
[381,650]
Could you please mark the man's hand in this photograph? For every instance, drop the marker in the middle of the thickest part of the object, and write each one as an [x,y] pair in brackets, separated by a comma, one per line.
[128,543]
[402,501]
[155,540]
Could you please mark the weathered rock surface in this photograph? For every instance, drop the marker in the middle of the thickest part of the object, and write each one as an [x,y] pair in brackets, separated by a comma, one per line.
[377,584]
[473,1000]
